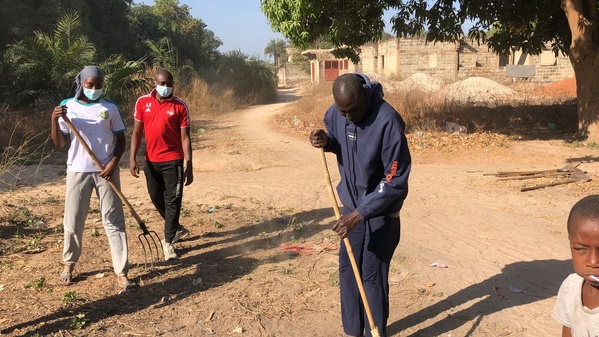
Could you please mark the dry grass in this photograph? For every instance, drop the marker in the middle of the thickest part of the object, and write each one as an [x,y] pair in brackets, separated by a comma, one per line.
[25,135]
[203,98]
[422,113]
[24,141]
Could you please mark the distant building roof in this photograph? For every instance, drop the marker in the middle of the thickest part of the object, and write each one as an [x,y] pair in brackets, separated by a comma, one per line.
[317,51]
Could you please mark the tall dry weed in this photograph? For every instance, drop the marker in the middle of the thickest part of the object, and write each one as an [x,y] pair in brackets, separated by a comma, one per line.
[24,141]
[425,111]
[201,98]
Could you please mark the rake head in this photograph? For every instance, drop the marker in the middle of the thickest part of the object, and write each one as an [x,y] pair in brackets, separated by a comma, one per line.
[151,245]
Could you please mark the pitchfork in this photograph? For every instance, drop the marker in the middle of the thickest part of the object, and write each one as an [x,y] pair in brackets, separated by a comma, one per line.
[155,253]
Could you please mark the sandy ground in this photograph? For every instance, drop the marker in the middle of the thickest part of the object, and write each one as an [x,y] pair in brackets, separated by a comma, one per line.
[257,189]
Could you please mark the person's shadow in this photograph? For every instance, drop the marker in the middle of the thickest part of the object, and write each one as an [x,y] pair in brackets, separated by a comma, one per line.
[540,279]
[220,259]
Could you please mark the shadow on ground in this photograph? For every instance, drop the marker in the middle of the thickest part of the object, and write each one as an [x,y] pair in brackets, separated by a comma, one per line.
[222,261]
[541,279]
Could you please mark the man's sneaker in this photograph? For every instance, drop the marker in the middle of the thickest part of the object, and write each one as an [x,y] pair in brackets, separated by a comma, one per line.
[181,234]
[169,251]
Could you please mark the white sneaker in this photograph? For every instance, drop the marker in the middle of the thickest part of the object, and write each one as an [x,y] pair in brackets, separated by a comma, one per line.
[181,234]
[169,251]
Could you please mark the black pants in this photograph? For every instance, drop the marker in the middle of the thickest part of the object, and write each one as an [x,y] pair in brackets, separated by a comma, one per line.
[373,242]
[165,186]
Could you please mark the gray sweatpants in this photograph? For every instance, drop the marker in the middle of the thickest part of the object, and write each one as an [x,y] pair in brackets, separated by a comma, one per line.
[78,196]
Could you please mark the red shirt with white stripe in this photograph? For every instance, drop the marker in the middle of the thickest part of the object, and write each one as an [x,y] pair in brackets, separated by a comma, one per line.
[162,121]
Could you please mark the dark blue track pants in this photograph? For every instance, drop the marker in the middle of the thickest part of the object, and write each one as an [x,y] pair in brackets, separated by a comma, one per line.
[373,242]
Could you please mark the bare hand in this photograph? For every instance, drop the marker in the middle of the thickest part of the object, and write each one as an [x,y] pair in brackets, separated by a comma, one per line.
[108,170]
[134,168]
[318,138]
[346,223]
[58,112]
[188,175]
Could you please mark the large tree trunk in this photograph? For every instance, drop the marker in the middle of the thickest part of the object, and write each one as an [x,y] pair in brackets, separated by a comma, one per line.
[584,55]
[586,69]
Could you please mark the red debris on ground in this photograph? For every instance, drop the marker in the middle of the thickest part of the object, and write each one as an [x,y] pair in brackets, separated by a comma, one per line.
[307,248]
[563,88]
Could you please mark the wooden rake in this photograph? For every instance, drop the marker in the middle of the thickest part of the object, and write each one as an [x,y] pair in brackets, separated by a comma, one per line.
[327,177]
[147,238]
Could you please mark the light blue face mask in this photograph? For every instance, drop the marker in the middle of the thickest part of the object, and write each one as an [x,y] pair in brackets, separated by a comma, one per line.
[164,91]
[92,94]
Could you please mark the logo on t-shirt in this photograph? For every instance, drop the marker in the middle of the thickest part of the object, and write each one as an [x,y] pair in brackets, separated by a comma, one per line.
[104,114]
[170,112]
[148,106]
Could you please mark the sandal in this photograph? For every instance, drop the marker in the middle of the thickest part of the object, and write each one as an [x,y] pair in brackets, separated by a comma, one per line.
[128,286]
[66,277]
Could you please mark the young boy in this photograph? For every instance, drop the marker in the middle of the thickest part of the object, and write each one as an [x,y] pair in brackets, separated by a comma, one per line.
[577,306]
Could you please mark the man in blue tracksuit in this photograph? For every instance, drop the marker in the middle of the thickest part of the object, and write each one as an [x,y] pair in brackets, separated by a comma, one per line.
[367,135]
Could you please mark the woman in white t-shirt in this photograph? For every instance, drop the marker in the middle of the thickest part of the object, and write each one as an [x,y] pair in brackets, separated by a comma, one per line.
[101,124]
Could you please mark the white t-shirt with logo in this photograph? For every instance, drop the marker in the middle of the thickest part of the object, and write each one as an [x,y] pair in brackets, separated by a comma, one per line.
[97,123]
[570,312]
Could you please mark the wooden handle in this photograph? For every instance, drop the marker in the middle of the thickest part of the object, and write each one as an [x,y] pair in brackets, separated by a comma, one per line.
[327,177]
[101,167]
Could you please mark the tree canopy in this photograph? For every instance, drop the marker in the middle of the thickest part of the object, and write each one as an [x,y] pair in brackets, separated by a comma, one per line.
[116,27]
[350,24]
[47,42]
[567,26]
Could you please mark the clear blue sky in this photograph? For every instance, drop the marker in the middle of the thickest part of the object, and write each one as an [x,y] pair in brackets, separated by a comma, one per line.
[239,24]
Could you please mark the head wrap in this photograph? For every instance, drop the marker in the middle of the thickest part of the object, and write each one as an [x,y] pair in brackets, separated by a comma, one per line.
[87,72]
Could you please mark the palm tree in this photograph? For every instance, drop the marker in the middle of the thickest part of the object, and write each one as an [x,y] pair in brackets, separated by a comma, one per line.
[278,49]
[124,80]
[163,54]
[43,68]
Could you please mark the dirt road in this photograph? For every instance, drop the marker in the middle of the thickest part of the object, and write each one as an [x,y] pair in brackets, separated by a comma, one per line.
[262,259]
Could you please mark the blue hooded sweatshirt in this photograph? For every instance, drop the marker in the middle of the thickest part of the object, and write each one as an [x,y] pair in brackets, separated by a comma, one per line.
[373,156]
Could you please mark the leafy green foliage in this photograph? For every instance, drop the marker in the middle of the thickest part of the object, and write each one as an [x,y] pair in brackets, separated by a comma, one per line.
[36,283]
[350,24]
[195,45]
[78,321]
[69,296]
[43,68]
[346,24]
[124,80]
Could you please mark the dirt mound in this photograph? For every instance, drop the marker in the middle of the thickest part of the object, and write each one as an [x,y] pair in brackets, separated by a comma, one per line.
[479,91]
[421,82]
[565,88]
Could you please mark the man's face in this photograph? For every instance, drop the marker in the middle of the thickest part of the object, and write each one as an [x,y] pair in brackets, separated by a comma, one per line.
[352,107]
[584,246]
[163,81]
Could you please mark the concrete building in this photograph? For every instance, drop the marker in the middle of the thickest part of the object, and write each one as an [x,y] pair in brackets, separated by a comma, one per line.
[399,58]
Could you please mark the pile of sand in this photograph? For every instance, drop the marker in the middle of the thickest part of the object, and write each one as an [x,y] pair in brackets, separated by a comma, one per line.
[479,91]
[421,82]
[474,91]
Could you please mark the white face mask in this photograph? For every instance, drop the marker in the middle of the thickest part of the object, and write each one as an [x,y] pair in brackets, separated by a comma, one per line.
[164,91]
[92,94]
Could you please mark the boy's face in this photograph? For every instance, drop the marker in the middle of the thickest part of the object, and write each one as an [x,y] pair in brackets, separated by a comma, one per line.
[584,245]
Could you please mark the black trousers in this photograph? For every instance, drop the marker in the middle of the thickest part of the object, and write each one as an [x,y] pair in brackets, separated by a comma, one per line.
[373,243]
[165,186]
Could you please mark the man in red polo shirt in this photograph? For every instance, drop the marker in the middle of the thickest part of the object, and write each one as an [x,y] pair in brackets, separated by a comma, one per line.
[164,119]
